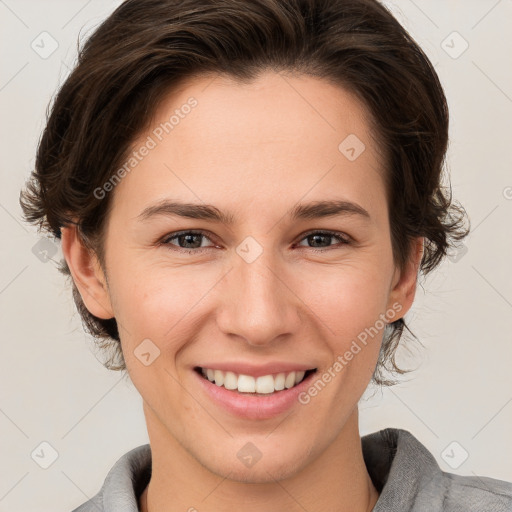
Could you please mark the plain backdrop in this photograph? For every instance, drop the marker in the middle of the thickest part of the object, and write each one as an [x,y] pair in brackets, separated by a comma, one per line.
[458,402]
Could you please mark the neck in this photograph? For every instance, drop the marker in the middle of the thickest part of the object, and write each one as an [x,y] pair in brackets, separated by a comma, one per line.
[336,480]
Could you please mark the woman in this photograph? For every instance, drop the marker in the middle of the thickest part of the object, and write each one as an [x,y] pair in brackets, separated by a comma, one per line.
[245,192]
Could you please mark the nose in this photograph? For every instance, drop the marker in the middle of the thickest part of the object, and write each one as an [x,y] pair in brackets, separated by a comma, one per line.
[259,305]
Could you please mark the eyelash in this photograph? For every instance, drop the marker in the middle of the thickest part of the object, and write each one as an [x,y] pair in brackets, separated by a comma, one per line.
[344,239]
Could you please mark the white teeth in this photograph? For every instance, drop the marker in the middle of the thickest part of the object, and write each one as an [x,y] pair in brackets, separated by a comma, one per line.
[265,384]
[299,376]
[246,384]
[279,381]
[219,377]
[290,380]
[230,380]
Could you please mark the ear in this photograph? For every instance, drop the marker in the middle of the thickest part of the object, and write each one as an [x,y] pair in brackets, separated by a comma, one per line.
[404,283]
[87,274]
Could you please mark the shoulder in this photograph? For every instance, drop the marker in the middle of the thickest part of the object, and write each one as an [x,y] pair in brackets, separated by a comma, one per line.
[475,494]
[409,479]
[123,484]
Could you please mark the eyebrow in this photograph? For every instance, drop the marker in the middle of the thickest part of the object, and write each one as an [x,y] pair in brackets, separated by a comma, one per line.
[313,210]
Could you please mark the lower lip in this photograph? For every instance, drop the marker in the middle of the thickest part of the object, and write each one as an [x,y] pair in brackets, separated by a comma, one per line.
[251,406]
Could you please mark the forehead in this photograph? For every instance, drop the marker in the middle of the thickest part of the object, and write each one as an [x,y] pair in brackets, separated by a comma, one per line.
[274,108]
[280,136]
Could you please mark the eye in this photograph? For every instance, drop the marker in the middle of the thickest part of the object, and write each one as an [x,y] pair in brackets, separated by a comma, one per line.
[190,239]
[319,237]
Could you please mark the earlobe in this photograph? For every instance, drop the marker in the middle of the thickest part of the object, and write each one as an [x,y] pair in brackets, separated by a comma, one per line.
[404,288]
[86,273]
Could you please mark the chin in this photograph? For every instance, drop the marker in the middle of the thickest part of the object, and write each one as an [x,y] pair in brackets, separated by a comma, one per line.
[260,473]
[245,463]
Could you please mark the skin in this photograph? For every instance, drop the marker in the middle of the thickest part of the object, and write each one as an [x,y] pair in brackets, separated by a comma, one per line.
[254,150]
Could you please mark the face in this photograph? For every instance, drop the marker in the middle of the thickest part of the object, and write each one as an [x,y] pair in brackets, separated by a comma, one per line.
[280,287]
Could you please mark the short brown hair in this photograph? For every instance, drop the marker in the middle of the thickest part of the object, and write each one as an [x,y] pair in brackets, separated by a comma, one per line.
[145,47]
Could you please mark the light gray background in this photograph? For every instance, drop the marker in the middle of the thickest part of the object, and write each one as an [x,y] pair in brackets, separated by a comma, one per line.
[54,390]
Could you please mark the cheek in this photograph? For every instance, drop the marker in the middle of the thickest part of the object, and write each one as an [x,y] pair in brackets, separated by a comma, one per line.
[158,303]
[351,304]
[347,298]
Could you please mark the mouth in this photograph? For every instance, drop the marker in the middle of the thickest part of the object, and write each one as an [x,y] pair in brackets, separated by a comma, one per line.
[248,385]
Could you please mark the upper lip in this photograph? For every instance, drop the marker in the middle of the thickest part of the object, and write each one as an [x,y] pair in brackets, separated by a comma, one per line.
[257,370]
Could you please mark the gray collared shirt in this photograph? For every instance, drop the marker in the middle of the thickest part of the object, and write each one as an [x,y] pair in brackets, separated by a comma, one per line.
[404,472]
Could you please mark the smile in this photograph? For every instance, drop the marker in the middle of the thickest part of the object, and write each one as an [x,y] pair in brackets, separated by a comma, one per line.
[248,384]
